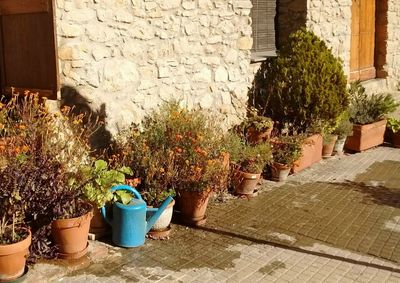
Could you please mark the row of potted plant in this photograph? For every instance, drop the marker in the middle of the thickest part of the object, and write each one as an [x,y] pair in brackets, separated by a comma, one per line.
[49,173]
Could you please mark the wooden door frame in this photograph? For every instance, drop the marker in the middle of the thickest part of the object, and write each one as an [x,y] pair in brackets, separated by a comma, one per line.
[380,44]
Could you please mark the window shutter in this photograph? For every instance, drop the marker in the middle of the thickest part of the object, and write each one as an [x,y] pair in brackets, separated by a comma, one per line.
[28,51]
[263,16]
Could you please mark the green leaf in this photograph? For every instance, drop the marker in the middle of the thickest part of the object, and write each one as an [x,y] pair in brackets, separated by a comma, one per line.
[123,197]
[100,165]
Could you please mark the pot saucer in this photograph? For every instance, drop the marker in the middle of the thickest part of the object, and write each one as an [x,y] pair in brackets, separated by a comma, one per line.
[74,255]
[160,234]
[19,279]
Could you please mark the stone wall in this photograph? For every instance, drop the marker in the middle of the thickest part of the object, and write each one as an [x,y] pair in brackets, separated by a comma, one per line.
[131,55]
[392,66]
[331,20]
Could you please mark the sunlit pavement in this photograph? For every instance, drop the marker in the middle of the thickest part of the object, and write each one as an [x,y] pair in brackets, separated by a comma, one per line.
[338,221]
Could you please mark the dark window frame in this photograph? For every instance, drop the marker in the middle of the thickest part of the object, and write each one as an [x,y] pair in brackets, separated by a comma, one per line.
[263,16]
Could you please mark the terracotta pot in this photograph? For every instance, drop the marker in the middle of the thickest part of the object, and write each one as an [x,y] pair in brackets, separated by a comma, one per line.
[165,218]
[255,136]
[366,136]
[339,145]
[311,153]
[327,147]
[396,139]
[246,183]
[280,172]
[71,235]
[388,136]
[193,206]
[13,259]
[98,224]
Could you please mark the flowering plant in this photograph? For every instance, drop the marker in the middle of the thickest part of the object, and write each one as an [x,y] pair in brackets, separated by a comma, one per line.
[178,150]
[40,177]
[287,149]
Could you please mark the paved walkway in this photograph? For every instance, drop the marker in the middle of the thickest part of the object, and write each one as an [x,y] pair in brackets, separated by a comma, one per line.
[338,221]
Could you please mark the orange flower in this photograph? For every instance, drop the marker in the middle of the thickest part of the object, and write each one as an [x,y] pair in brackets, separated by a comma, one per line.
[178,137]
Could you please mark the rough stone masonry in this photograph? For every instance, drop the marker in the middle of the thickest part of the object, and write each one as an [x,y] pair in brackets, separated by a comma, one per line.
[132,55]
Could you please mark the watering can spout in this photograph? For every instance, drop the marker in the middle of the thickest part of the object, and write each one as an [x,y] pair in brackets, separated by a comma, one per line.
[157,214]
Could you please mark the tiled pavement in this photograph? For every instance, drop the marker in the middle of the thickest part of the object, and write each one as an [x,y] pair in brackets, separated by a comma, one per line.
[338,221]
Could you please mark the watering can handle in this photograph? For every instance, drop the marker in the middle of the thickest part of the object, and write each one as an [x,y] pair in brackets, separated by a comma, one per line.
[127,188]
[119,188]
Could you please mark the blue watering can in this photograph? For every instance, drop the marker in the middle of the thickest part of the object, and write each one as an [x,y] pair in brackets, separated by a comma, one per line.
[129,226]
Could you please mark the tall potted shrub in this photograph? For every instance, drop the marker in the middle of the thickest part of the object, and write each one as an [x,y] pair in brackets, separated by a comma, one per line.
[303,89]
[367,113]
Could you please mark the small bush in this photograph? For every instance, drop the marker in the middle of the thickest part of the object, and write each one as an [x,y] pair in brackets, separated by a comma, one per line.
[304,88]
[367,109]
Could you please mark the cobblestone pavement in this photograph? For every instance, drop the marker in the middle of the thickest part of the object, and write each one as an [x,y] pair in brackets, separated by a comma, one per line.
[338,221]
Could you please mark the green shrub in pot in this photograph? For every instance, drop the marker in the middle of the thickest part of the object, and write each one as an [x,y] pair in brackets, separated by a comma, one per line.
[303,87]
[366,109]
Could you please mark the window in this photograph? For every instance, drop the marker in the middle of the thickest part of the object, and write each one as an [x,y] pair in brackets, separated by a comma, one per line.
[263,17]
[28,57]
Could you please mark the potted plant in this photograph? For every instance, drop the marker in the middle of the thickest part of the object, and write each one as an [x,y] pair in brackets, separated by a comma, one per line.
[43,156]
[153,164]
[256,128]
[14,248]
[98,181]
[367,113]
[329,141]
[288,90]
[15,236]
[190,140]
[285,151]
[343,129]
[250,163]
[393,127]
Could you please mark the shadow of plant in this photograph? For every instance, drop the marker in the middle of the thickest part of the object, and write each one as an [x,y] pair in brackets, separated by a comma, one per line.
[100,138]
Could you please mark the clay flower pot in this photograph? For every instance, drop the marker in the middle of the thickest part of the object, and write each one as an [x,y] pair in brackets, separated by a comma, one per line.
[193,206]
[366,136]
[327,148]
[161,228]
[311,153]
[245,183]
[255,136]
[396,139]
[13,259]
[98,225]
[71,235]
[280,172]
[339,145]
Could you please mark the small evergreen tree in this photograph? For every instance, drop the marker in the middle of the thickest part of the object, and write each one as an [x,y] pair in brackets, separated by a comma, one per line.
[304,88]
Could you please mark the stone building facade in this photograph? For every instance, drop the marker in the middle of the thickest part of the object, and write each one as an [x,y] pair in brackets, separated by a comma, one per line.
[132,55]
[332,21]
